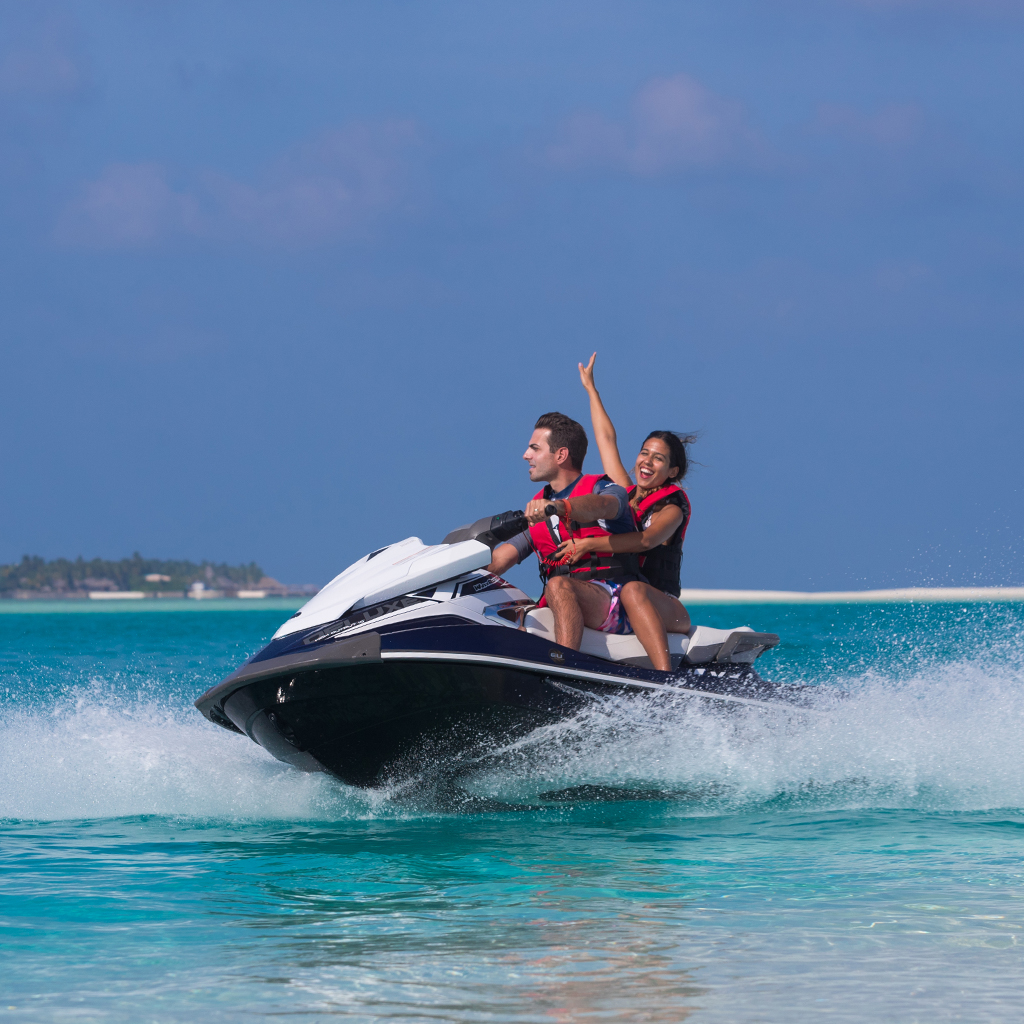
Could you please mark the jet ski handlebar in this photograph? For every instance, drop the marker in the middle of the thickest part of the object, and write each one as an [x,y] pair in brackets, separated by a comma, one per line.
[491,530]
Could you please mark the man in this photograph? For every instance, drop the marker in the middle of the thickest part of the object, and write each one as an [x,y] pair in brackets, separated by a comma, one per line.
[586,593]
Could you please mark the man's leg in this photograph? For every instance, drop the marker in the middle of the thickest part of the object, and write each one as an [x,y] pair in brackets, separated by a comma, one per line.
[647,623]
[575,604]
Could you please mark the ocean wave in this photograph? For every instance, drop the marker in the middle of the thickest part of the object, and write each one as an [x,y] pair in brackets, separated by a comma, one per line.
[97,754]
[944,739]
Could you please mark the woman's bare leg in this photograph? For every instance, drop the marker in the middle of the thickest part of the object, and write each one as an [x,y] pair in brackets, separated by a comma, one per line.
[674,615]
[646,620]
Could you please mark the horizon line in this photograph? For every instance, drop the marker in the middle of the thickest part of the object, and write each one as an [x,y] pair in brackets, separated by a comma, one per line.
[895,594]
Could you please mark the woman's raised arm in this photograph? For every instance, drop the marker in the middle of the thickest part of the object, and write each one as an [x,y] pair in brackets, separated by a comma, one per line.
[604,431]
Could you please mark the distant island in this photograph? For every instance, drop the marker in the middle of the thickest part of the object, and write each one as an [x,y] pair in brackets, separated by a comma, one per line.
[35,578]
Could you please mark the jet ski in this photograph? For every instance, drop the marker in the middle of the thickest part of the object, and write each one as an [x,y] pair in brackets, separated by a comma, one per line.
[416,656]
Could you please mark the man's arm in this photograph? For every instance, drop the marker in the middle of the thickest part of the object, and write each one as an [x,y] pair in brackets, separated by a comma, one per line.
[503,557]
[585,509]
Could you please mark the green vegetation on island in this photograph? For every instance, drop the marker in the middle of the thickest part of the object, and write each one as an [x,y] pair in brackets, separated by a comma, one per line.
[63,576]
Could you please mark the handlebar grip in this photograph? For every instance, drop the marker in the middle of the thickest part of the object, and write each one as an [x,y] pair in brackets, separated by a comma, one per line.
[492,530]
[506,526]
[550,510]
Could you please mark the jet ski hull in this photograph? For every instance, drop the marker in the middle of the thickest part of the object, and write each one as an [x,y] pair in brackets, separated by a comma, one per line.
[383,704]
[369,724]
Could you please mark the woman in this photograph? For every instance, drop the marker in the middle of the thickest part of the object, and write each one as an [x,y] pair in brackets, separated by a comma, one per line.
[662,510]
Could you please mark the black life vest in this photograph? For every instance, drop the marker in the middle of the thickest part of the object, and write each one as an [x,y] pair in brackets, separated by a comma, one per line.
[597,565]
[662,564]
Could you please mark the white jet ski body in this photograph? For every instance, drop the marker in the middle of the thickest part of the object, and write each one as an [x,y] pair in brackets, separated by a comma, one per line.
[416,652]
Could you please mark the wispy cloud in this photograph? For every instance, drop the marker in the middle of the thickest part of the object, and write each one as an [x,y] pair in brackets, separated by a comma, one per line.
[895,124]
[675,124]
[900,275]
[42,62]
[316,193]
[979,7]
[128,205]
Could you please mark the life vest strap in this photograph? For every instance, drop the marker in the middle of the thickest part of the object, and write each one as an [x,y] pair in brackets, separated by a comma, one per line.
[606,572]
[547,537]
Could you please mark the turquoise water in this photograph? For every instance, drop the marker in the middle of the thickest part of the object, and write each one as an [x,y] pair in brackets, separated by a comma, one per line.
[865,863]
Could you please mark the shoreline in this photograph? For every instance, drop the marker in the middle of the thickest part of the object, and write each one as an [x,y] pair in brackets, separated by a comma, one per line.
[689,596]
[11,606]
[898,595]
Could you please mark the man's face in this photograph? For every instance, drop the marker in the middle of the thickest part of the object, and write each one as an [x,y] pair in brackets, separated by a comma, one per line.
[544,464]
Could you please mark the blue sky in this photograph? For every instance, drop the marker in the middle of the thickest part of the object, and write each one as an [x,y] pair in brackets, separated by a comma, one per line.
[287,282]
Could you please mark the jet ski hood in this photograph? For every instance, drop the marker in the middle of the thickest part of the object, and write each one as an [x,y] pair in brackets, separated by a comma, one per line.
[404,567]
[388,572]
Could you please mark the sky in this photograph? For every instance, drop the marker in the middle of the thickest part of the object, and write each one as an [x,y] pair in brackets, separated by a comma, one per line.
[286,282]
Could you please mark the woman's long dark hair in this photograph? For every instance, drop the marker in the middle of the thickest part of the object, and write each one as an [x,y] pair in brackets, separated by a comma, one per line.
[677,445]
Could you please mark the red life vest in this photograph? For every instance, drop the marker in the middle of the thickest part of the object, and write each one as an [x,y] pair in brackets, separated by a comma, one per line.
[596,565]
[662,564]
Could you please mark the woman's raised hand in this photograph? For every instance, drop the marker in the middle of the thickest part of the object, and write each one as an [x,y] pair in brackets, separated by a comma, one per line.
[604,431]
[587,374]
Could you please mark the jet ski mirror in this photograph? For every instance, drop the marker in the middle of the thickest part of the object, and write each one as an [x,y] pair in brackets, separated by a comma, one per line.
[492,530]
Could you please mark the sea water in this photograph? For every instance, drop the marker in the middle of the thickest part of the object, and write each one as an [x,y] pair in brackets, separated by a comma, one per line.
[860,862]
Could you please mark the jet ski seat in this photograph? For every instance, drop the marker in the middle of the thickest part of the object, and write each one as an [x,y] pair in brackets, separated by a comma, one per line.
[741,645]
[611,646]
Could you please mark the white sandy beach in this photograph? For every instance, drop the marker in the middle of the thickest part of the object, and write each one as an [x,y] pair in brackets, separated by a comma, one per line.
[900,594]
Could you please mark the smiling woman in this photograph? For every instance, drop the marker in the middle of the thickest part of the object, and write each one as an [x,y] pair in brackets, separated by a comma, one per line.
[662,508]
[662,511]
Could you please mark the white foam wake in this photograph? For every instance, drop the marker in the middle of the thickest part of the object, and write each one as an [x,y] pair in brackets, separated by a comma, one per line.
[97,757]
[948,738]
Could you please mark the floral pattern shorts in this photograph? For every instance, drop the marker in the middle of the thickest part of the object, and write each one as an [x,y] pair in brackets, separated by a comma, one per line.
[616,621]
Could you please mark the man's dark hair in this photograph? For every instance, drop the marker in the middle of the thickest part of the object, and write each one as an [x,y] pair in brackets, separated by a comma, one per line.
[565,433]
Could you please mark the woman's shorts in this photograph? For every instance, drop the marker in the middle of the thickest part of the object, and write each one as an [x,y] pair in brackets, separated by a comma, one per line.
[616,621]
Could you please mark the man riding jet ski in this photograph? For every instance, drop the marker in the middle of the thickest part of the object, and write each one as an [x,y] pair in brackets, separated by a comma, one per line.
[600,590]
[421,656]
